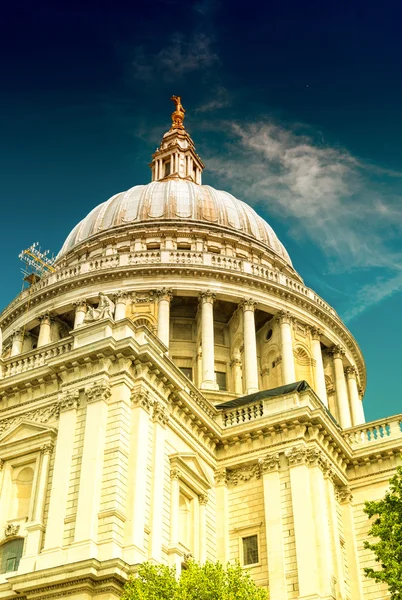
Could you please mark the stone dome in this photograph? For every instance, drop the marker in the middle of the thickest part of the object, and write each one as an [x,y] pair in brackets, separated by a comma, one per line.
[175,200]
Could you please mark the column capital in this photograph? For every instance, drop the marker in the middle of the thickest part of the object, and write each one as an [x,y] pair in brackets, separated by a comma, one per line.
[207,297]
[235,362]
[315,458]
[221,476]
[351,372]
[160,414]
[337,351]
[46,317]
[47,448]
[81,305]
[270,462]
[203,499]
[175,474]
[315,332]
[284,316]
[164,294]
[343,494]
[121,296]
[98,391]
[141,398]
[69,399]
[297,456]
[17,335]
[248,304]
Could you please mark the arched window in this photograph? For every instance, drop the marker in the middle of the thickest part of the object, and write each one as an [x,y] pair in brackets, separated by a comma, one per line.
[10,555]
[23,489]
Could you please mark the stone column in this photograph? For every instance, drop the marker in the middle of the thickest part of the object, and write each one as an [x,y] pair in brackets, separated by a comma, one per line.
[69,402]
[304,523]
[36,529]
[207,341]
[288,364]
[250,347]
[141,405]
[160,419]
[44,331]
[355,402]
[86,525]
[318,495]
[274,530]
[17,341]
[237,375]
[164,297]
[340,385]
[80,312]
[345,498]
[203,501]
[319,376]
[222,524]
[120,301]
[174,519]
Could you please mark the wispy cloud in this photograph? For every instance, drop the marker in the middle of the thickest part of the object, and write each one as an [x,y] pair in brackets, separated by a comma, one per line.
[218,98]
[343,205]
[183,55]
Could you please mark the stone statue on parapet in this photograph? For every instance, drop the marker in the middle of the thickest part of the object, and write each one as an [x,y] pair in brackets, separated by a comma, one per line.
[104,310]
[178,114]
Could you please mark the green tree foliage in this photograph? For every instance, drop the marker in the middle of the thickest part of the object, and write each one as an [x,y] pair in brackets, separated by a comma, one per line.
[387,529]
[197,582]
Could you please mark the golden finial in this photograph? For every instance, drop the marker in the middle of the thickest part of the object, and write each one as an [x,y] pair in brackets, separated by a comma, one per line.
[178,114]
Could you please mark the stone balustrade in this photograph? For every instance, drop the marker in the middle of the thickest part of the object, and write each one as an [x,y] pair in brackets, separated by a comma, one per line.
[243,414]
[36,358]
[207,259]
[374,432]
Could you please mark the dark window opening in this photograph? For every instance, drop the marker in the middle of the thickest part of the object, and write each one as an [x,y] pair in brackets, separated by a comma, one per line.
[187,371]
[250,550]
[221,380]
[10,555]
[167,168]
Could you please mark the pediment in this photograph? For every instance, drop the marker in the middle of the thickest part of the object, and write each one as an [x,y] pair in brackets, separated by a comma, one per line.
[191,468]
[24,430]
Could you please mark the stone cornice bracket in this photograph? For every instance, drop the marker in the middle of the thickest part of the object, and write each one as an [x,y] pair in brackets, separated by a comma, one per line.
[337,351]
[175,474]
[248,304]
[351,372]
[221,476]
[284,316]
[270,463]
[140,398]
[98,391]
[160,414]
[164,294]
[316,333]
[343,494]
[207,296]
[203,499]
[69,399]
[297,456]
[47,448]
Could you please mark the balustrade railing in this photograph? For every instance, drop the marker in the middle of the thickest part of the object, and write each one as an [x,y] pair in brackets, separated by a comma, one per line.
[35,358]
[243,414]
[374,432]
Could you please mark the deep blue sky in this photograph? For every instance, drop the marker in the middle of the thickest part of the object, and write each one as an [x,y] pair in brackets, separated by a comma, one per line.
[294,106]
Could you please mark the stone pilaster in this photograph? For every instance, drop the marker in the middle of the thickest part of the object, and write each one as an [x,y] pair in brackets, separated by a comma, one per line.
[222,529]
[203,501]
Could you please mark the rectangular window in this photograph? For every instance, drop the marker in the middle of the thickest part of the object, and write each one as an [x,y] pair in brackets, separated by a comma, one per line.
[250,550]
[188,372]
[167,168]
[221,380]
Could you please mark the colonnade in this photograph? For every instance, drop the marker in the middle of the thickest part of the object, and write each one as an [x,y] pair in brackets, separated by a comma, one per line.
[349,405]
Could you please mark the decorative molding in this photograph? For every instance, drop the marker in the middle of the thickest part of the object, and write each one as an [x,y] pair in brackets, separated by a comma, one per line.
[97,392]
[39,415]
[269,463]
[47,448]
[121,296]
[11,530]
[160,414]
[297,456]
[1,464]
[175,473]
[244,474]
[143,399]
[69,399]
